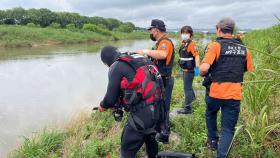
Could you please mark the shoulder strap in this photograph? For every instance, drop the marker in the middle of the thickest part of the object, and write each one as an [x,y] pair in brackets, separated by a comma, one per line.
[132,59]
[186,45]
[231,41]
[164,38]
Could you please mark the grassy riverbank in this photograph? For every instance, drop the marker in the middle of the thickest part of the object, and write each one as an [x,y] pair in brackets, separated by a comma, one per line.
[26,36]
[258,130]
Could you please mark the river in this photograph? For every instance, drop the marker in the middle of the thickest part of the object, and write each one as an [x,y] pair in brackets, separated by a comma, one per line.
[46,86]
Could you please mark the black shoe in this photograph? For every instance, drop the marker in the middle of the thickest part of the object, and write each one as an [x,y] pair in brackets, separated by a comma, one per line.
[184,111]
[212,144]
[162,137]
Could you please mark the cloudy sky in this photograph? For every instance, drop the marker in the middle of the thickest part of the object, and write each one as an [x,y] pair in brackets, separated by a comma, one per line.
[175,13]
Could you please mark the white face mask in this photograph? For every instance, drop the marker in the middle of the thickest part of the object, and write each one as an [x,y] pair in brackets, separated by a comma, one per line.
[185,36]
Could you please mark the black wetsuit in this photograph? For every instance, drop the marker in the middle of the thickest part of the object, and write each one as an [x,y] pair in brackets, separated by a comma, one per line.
[131,140]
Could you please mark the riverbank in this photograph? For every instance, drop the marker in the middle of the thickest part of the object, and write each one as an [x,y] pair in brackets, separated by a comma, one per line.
[26,36]
[97,134]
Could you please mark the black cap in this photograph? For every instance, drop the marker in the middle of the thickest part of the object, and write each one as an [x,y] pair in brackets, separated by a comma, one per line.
[159,24]
[109,55]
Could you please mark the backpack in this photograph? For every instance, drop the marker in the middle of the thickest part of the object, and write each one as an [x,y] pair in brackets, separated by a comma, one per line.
[146,88]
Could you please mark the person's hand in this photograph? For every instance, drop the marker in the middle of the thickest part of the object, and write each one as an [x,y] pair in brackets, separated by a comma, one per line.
[196,71]
[144,52]
[139,51]
[94,108]
[100,109]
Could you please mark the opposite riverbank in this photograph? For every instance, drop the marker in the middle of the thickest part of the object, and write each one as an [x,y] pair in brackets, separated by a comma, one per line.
[30,36]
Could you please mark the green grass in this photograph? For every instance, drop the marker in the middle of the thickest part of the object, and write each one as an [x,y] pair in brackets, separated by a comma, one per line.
[42,145]
[260,106]
[24,36]
[258,134]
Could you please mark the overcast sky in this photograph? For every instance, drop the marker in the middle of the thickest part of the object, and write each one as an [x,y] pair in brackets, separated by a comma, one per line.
[175,13]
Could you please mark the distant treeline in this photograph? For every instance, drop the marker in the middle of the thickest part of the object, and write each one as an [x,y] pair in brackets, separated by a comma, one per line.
[45,17]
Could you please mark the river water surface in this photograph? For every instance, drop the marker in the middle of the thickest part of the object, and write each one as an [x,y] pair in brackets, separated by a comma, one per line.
[46,86]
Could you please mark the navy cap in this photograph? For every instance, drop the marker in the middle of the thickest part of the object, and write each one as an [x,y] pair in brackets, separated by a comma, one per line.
[159,24]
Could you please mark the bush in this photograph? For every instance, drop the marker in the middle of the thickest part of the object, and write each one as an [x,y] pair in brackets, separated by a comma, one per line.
[95,28]
[101,26]
[71,27]
[90,27]
[104,32]
[55,25]
[30,25]
[125,28]
[10,21]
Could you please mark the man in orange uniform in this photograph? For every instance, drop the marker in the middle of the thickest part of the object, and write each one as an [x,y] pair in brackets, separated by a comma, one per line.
[163,56]
[224,63]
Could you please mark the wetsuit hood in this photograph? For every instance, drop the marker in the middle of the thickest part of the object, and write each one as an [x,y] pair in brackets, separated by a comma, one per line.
[109,55]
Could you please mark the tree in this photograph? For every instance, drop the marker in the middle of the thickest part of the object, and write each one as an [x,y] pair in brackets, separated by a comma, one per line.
[17,13]
[33,15]
[42,17]
[65,18]
[2,16]
[113,23]
[98,20]
[126,27]
[10,21]
[46,17]
[131,25]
